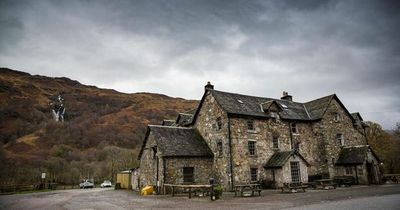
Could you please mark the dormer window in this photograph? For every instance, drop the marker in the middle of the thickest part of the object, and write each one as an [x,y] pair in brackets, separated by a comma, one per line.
[293,127]
[250,125]
[336,117]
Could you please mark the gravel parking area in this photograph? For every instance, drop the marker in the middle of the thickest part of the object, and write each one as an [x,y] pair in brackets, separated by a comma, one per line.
[122,199]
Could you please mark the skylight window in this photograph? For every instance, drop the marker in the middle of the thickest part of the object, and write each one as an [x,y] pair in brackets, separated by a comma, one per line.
[240,101]
[284,106]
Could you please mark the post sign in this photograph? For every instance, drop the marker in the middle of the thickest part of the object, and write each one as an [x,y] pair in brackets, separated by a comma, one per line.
[43,175]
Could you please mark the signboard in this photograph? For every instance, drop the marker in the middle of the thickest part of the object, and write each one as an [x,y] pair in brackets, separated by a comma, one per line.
[43,175]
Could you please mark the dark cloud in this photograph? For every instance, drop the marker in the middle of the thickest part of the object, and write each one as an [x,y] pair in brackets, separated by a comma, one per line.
[309,48]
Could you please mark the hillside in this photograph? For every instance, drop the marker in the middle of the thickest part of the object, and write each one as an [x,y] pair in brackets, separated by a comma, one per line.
[101,133]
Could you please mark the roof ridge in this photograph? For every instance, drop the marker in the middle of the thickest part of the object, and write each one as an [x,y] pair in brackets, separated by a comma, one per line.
[331,95]
[164,126]
[261,97]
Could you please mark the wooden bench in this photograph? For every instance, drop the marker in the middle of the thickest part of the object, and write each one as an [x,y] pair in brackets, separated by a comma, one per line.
[325,184]
[345,181]
[190,188]
[293,187]
[242,188]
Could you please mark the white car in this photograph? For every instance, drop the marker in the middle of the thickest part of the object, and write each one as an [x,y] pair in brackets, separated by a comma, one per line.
[106,183]
[86,184]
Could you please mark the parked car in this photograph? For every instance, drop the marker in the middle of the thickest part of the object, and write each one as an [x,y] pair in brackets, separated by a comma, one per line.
[86,184]
[106,183]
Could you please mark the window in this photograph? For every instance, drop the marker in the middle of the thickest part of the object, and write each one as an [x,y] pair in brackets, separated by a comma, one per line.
[349,170]
[360,170]
[252,147]
[293,127]
[336,117]
[297,146]
[253,174]
[188,175]
[339,139]
[295,171]
[154,148]
[219,123]
[250,125]
[275,142]
[219,148]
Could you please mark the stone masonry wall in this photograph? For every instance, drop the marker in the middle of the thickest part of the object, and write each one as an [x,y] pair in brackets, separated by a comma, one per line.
[148,165]
[202,169]
[262,134]
[206,124]
[329,128]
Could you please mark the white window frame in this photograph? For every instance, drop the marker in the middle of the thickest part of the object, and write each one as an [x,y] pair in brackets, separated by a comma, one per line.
[340,138]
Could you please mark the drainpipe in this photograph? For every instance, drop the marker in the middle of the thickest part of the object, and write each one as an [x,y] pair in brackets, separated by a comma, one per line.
[230,150]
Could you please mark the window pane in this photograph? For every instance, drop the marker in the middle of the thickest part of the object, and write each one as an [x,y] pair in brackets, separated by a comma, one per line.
[253,174]
[250,125]
[295,171]
[252,147]
[188,175]
[219,147]
[275,142]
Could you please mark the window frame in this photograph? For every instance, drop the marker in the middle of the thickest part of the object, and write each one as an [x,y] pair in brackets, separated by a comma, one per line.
[275,143]
[220,150]
[253,174]
[187,175]
[293,127]
[337,117]
[295,171]
[251,147]
[340,139]
[348,170]
[250,125]
[219,123]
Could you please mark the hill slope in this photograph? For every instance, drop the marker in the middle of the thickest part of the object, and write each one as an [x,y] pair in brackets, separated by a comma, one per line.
[102,131]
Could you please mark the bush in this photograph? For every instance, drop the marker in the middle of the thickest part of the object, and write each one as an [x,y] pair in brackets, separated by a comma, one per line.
[218,191]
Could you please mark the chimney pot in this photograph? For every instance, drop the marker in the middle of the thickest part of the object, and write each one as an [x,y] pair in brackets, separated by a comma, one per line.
[286,96]
[209,86]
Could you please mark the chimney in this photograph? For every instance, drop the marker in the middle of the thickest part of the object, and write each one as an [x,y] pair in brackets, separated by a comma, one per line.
[286,96]
[209,86]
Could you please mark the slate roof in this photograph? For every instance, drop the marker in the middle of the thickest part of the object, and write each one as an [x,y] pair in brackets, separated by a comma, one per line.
[252,105]
[184,119]
[357,116]
[168,123]
[179,142]
[353,155]
[278,159]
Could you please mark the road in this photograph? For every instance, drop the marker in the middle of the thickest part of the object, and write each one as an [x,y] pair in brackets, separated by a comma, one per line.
[357,197]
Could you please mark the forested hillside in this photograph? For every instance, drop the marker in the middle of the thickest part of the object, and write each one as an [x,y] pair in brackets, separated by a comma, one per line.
[101,133]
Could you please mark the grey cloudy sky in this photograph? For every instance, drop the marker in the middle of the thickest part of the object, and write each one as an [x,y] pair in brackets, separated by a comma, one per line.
[309,48]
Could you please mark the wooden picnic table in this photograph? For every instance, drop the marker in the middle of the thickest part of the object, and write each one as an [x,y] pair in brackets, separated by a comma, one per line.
[247,187]
[293,186]
[325,183]
[205,187]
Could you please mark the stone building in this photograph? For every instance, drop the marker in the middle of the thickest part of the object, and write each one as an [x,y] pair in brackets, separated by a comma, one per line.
[234,139]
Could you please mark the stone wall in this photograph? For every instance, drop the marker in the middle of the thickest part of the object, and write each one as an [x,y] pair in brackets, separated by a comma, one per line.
[206,124]
[329,128]
[263,133]
[202,169]
[148,164]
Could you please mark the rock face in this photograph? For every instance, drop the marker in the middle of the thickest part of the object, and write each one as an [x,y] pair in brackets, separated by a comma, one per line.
[243,132]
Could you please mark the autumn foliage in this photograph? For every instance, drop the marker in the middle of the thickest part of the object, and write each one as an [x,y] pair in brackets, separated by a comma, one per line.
[102,132]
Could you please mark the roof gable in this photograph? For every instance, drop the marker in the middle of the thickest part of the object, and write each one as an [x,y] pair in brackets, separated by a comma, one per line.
[178,142]
[354,155]
[279,159]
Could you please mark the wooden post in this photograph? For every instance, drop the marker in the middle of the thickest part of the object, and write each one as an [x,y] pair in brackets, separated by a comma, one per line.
[173,191]
[190,192]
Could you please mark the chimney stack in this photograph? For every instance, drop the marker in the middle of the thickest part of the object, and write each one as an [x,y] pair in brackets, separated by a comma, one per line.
[209,86]
[286,96]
